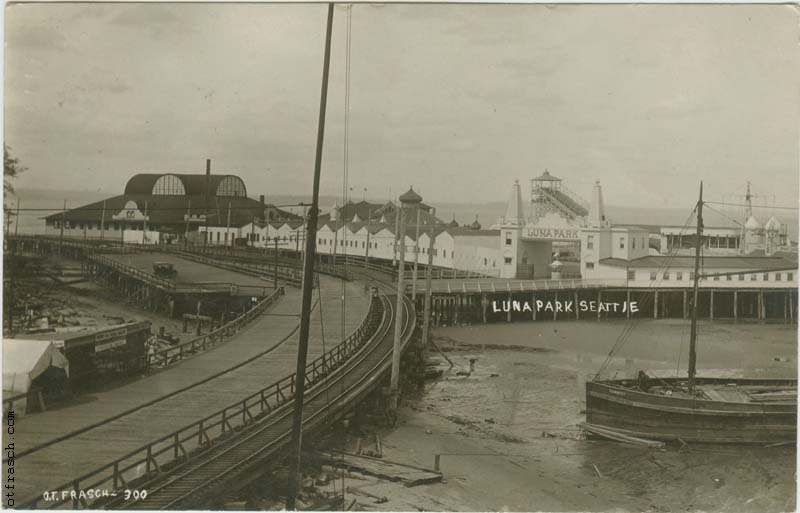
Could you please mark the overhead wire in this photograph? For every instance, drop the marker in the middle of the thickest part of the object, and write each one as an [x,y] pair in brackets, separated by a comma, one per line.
[624,336]
[774,207]
[345,188]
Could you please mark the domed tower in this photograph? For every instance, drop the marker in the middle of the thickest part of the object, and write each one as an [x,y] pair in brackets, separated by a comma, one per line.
[410,198]
[475,224]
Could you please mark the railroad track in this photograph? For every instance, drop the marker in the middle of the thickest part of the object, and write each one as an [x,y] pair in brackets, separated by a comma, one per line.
[206,475]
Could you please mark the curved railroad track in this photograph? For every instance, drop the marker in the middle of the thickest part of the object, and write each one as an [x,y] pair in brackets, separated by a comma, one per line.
[203,476]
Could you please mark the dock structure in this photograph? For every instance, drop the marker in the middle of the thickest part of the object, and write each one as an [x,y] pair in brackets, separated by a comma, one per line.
[163,420]
[121,435]
[494,300]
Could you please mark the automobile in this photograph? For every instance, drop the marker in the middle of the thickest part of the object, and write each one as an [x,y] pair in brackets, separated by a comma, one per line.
[164,270]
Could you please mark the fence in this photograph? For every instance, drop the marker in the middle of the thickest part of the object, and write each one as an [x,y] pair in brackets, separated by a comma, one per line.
[171,448]
[291,276]
[176,353]
[493,286]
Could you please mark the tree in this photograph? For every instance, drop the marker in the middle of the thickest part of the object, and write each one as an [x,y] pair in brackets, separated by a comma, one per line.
[11,169]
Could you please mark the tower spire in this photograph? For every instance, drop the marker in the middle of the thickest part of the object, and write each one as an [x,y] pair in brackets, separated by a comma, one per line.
[514,212]
[597,213]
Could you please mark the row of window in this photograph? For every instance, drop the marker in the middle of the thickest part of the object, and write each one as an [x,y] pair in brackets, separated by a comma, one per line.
[348,243]
[374,245]
[678,276]
[68,225]
[590,242]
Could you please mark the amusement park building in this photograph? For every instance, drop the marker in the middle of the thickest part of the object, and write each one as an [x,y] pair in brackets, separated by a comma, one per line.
[158,207]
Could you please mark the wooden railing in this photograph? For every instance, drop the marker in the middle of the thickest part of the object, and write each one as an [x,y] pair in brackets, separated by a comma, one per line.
[132,271]
[170,355]
[292,276]
[151,279]
[8,403]
[170,449]
[492,286]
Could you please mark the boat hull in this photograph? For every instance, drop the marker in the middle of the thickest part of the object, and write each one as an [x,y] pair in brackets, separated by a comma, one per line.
[612,404]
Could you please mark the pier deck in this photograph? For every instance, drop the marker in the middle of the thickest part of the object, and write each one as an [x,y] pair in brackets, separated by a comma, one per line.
[274,333]
[192,273]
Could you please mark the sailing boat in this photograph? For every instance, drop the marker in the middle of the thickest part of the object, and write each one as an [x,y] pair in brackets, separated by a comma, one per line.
[693,409]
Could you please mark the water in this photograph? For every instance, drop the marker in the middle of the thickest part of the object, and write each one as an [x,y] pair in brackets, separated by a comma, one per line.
[36,204]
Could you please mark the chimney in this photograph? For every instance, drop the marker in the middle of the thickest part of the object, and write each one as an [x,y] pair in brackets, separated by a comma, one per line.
[263,208]
[208,180]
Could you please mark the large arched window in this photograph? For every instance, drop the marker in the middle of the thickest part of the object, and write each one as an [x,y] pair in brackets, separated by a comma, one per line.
[168,185]
[231,186]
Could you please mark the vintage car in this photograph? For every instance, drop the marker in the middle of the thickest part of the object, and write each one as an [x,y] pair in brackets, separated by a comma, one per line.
[164,270]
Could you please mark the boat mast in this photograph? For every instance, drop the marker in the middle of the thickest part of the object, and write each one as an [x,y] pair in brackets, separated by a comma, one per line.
[693,334]
[308,281]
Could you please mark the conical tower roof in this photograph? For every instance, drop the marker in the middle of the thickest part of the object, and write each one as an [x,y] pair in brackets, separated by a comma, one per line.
[547,177]
[773,224]
[752,224]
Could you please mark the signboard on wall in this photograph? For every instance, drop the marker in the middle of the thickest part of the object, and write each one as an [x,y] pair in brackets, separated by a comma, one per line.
[130,212]
[551,227]
[551,233]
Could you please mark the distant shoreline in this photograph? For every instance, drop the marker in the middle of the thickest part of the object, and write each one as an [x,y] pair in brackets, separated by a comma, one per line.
[487,213]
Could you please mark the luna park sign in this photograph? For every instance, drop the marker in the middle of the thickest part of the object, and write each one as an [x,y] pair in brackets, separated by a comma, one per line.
[552,233]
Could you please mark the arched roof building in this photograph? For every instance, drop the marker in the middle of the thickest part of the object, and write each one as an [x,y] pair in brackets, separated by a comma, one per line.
[173,202]
[172,184]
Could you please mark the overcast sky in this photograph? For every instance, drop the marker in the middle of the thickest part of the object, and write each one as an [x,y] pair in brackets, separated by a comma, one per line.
[457,100]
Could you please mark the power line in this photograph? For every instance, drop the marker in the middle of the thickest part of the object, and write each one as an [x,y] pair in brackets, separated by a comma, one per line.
[753,206]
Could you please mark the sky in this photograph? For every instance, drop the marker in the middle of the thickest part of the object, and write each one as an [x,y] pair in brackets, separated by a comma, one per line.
[457,101]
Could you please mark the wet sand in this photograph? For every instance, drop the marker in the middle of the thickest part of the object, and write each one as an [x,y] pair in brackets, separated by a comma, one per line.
[508,434]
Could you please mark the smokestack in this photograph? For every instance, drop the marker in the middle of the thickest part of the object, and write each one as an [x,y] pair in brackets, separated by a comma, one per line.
[208,179]
[263,208]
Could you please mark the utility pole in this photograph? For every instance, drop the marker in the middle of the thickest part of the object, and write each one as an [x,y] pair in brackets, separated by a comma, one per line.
[396,232]
[398,323]
[304,233]
[228,227]
[426,322]
[308,282]
[16,221]
[144,231]
[206,236]
[253,232]
[188,215]
[63,222]
[8,224]
[275,270]
[103,221]
[416,260]
[335,242]
[366,254]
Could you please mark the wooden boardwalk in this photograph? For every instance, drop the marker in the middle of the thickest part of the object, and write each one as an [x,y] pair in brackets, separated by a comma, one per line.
[191,273]
[58,463]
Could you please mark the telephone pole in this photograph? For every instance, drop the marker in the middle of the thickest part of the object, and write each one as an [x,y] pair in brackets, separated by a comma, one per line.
[308,281]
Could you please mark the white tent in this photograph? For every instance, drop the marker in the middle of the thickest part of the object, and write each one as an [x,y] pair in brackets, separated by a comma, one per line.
[23,362]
